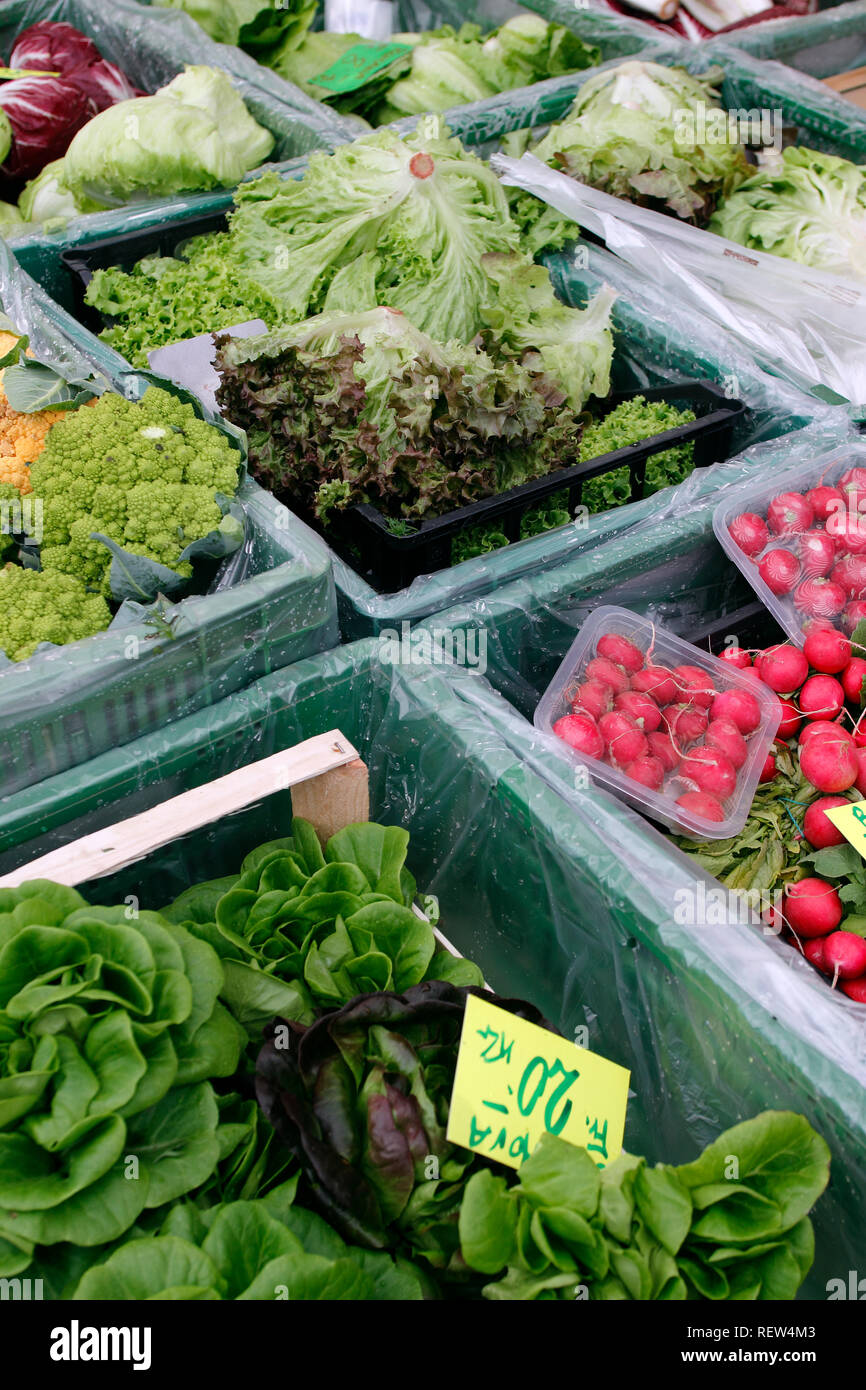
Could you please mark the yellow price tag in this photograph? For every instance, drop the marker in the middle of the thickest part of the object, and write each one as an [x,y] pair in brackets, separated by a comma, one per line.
[851,820]
[515,1082]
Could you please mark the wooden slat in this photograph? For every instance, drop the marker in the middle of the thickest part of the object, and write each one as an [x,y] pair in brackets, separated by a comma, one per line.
[106,851]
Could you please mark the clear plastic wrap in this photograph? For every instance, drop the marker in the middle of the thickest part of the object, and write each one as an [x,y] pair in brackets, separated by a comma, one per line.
[811,325]
[822,44]
[274,603]
[569,900]
[663,561]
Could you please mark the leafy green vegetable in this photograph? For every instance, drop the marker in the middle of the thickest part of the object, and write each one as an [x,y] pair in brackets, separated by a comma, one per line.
[110,1028]
[402,222]
[732,1225]
[769,851]
[635,131]
[628,423]
[246,1250]
[194,133]
[258,26]
[416,427]
[300,930]
[361,1100]
[46,199]
[802,204]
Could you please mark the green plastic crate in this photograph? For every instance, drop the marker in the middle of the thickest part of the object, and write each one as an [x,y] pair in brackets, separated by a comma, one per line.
[66,705]
[831,41]
[153,46]
[666,563]
[557,903]
[657,345]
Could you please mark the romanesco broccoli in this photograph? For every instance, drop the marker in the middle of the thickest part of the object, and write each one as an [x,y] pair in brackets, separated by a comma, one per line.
[144,473]
[43,606]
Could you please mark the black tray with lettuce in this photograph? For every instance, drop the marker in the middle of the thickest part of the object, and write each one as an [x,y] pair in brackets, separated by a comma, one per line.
[418,363]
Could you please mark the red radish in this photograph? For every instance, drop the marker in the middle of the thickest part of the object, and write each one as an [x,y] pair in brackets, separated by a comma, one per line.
[830,764]
[818,828]
[644,711]
[847,531]
[660,747]
[860,755]
[685,724]
[768,771]
[858,733]
[853,484]
[819,598]
[735,656]
[789,513]
[724,735]
[623,739]
[821,697]
[855,613]
[621,651]
[710,771]
[592,698]
[823,500]
[701,804]
[812,907]
[821,728]
[696,686]
[790,721]
[601,669]
[740,706]
[817,552]
[656,681]
[782,668]
[648,771]
[780,571]
[579,731]
[813,950]
[827,650]
[850,572]
[856,989]
[845,955]
[749,532]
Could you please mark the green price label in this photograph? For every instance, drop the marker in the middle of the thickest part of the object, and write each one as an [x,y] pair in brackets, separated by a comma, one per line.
[359,64]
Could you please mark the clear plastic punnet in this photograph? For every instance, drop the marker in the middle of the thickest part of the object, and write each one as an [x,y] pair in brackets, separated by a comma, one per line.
[824,535]
[690,762]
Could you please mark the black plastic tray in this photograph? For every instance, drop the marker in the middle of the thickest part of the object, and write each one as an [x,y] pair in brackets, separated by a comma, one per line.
[125,249]
[361,535]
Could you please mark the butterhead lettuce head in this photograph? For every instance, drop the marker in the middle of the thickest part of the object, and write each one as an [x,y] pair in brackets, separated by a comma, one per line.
[805,205]
[194,134]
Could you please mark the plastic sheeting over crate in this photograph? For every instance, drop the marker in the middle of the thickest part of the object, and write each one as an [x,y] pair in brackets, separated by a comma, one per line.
[152,47]
[274,605]
[568,901]
[822,44]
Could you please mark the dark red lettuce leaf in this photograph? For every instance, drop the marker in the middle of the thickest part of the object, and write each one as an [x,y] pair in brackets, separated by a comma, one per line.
[53,47]
[104,85]
[45,113]
[349,1119]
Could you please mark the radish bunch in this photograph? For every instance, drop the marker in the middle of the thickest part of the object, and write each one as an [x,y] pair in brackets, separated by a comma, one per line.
[813,686]
[810,548]
[668,730]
